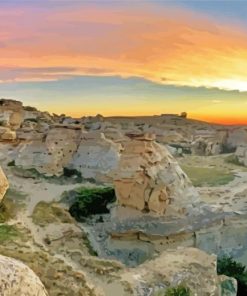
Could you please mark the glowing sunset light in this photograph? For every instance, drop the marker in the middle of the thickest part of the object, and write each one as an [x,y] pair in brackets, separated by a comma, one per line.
[167,44]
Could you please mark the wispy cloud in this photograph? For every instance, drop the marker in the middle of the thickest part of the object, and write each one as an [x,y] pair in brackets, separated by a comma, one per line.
[164,45]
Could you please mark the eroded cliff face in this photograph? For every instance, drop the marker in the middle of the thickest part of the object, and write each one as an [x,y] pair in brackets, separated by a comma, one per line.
[149,179]
[18,279]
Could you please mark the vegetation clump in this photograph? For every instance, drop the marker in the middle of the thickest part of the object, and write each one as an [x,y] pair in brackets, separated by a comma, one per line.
[71,172]
[233,160]
[8,233]
[91,201]
[201,176]
[46,213]
[229,267]
[180,290]
[11,163]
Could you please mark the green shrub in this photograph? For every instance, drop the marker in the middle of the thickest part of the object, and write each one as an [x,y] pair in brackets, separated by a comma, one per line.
[231,268]
[180,290]
[8,233]
[71,172]
[91,201]
[11,163]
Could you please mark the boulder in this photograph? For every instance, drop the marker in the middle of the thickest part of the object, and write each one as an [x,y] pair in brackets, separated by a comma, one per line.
[11,112]
[18,279]
[50,156]
[241,154]
[8,135]
[237,137]
[149,179]
[96,156]
[188,267]
[4,184]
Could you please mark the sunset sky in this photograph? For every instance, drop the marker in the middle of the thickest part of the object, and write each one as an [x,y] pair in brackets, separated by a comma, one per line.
[126,57]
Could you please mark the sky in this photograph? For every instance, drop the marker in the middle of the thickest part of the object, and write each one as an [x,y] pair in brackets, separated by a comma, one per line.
[125,57]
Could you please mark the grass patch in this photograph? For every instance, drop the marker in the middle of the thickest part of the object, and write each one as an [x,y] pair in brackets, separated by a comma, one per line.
[91,251]
[207,176]
[231,268]
[11,203]
[91,201]
[8,233]
[7,210]
[233,159]
[46,213]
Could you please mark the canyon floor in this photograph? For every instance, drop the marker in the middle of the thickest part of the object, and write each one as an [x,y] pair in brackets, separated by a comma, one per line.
[41,233]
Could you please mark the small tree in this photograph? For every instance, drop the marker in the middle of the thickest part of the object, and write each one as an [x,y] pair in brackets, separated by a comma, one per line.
[184,115]
[227,266]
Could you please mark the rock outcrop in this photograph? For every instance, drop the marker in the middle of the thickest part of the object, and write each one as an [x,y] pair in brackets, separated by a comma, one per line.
[148,178]
[51,155]
[96,156]
[241,154]
[4,184]
[18,279]
[189,267]
[209,143]
[237,137]
[11,113]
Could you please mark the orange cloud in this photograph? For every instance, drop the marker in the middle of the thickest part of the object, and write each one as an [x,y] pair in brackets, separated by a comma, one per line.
[167,46]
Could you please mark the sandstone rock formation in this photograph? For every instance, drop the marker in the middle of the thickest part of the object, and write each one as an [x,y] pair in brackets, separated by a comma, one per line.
[241,154]
[69,146]
[237,137]
[149,178]
[96,157]
[209,143]
[11,113]
[50,156]
[4,184]
[189,267]
[18,279]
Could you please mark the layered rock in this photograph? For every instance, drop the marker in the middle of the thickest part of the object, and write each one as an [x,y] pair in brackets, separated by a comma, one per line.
[50,156]
[188,267]
[11,113]
[241,154]
[18,279]
[4,184]
[96,156]
[148,178]
[237,137]
[209,143]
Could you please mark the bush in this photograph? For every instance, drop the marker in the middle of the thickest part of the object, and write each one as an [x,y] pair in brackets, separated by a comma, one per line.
[91,201]
[11,163]
[180,290]
[71,172]
[231,268]
[8,233]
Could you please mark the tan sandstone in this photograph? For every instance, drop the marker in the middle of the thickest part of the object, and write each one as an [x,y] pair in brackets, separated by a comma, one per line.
[148,178]
[4,184]
[189,267]
[18,279]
